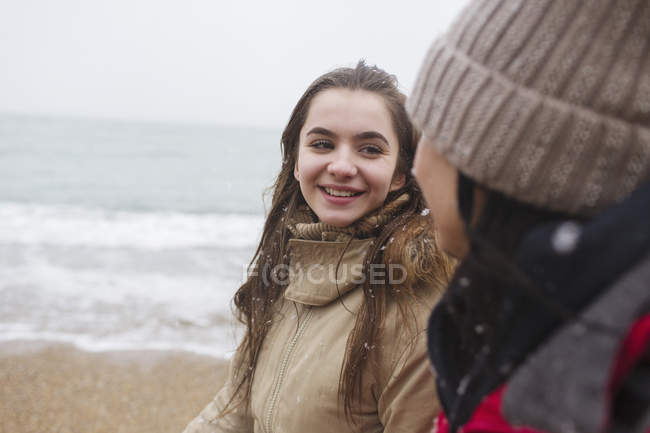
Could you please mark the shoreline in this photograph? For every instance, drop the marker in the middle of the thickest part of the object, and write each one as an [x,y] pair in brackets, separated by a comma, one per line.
[28,341]
[50,386]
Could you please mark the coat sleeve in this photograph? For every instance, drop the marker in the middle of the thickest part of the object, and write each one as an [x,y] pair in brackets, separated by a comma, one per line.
[409,402]
[237,419]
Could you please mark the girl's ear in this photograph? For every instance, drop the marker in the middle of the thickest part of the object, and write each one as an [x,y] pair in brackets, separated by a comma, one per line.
[296,174]
[397,182]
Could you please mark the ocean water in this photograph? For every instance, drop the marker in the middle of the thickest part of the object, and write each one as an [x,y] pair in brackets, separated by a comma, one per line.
[124,235]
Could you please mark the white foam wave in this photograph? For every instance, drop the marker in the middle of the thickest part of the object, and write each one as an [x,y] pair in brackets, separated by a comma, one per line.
[187,296]
[104,310]
[33,224]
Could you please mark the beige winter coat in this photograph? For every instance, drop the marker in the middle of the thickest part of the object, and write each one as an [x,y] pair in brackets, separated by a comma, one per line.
[297,374]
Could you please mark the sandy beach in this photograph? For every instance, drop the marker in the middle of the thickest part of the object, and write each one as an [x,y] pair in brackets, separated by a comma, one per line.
[47,387]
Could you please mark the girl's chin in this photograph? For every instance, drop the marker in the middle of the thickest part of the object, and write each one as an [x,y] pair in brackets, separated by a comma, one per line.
[338,223]
[341,218]
[338,220]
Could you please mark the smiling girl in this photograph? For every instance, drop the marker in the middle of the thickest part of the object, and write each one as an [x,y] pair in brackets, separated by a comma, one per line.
[348,266]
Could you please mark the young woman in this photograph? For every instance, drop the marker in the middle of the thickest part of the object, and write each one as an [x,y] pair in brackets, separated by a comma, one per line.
[535,162]
[336,302]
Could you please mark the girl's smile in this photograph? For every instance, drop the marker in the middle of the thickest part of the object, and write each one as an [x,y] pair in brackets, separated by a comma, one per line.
[340,195]
[347,155]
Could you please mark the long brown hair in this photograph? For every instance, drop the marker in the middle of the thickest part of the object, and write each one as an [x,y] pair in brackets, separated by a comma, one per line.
[255,299]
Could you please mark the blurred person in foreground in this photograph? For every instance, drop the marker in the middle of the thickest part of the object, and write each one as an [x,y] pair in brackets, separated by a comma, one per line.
[535,160]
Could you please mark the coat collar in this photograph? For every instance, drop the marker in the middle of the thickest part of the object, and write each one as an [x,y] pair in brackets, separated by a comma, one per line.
[313,265]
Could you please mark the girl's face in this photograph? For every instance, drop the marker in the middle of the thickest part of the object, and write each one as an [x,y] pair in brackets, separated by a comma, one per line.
[438,180]
[347,155]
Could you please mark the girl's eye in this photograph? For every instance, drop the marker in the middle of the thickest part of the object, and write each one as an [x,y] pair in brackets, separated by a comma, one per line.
[321,144]
[372,149]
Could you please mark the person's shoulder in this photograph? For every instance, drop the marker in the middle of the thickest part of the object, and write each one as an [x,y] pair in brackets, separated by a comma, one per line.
[418,263]
[420,274]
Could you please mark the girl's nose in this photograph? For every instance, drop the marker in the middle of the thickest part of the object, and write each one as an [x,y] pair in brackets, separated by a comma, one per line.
[342,166]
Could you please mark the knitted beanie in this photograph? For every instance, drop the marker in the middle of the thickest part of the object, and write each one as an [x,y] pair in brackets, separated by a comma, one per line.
[547,101]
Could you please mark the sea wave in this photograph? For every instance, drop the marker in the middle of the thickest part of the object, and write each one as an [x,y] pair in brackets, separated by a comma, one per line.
[62,225]
[100,310]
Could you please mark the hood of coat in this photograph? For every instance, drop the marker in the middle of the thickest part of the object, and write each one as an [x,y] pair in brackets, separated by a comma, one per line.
[409,261]
[570,267]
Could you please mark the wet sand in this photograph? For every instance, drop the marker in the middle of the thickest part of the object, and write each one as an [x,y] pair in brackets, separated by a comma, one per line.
[48,387]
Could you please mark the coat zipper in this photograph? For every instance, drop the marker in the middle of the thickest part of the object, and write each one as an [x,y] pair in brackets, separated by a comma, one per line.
[283,369]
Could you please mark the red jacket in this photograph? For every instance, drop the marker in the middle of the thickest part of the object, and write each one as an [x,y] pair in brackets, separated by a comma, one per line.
[489,418]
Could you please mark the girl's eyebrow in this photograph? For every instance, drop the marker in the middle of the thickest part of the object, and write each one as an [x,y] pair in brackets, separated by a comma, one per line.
[322,131]
[370,135]
[361,136]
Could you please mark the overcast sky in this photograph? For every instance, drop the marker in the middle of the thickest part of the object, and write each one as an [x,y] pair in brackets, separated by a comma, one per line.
[224,62]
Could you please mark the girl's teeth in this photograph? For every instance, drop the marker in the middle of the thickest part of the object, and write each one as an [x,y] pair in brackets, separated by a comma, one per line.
[337,193]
